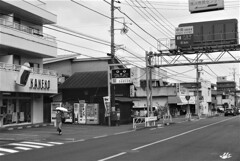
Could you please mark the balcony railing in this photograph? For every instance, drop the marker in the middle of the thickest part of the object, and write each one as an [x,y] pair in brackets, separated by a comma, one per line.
[14,67]
[26,29]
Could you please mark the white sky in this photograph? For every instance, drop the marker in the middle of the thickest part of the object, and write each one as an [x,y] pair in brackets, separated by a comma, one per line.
[77,18]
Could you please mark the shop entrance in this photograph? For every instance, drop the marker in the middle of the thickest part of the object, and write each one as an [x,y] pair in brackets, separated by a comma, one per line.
[16,109]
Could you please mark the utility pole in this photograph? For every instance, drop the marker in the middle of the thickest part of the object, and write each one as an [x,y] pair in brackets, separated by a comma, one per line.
[197,93]
[112,87]
[149,82]
[235,92]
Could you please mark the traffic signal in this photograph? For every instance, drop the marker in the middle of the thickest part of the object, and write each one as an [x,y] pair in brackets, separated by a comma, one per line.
[23,74]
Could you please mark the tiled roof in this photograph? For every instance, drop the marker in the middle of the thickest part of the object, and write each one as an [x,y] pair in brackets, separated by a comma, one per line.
[86,80]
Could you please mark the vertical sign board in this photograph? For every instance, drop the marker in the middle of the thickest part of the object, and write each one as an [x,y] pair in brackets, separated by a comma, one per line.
[106,101]
[184,36]
[205,5]
[121,76]
[76,107]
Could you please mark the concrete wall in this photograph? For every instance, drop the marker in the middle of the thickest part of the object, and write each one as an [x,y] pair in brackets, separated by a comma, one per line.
[37,109]
[158,91]
[89,66]
[62,67]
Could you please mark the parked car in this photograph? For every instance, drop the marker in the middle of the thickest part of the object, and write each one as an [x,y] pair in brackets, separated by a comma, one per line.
[238,111]
[230,111]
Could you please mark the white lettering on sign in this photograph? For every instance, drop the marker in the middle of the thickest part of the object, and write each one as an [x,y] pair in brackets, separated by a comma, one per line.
[121,80]
[39,83]
[184,30]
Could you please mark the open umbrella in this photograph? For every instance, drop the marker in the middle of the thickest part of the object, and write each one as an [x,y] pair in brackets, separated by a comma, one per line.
[62,109]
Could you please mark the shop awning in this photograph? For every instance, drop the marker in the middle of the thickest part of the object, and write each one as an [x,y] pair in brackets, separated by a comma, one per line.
[181,100]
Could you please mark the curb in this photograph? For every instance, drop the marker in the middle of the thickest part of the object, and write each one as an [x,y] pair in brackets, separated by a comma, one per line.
[20,127]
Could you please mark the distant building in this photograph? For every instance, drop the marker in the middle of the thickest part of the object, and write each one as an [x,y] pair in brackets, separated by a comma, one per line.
[226,94]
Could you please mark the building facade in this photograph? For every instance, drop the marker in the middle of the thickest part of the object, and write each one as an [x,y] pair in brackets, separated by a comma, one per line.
[24,45]
[226,93]
[88,82]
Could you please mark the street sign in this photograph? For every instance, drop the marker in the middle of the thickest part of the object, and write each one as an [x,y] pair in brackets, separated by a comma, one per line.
[205,5]
[121,76]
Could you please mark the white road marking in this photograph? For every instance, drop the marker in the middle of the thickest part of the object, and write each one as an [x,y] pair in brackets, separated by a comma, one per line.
[172,137]
[57,143]
[159,141]
[96,137]
[113,156]
[23,148]
[37,143]
[79,140]
[8,150]
[27,145]
[123,132]
[153,128]
[1,154]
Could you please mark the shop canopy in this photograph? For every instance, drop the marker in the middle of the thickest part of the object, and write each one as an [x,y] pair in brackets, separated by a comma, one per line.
[181,100]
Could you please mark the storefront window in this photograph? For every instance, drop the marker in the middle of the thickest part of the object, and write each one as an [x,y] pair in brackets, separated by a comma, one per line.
[16,109]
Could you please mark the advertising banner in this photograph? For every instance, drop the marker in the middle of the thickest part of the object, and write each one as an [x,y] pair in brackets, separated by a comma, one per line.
[106,101]
[184,36]
[76,108]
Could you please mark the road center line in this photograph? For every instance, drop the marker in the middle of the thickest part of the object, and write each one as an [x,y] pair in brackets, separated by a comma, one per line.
[113,156]
[96,137]
[123,132]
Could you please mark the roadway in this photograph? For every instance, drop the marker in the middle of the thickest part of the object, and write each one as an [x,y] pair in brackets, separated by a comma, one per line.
[211,139]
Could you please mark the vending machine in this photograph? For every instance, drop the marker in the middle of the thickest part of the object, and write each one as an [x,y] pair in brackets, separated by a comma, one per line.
[92,113]
[82,113]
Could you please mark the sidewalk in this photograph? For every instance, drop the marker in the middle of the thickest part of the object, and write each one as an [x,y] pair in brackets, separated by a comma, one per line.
[71,132]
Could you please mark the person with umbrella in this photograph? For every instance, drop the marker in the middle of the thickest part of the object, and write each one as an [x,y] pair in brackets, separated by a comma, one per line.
[59,118]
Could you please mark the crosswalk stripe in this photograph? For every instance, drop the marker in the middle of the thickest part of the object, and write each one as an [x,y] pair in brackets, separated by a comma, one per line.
[23,148]
[27,145]
[58,143]
[8,150]
[2,154]
[36,143]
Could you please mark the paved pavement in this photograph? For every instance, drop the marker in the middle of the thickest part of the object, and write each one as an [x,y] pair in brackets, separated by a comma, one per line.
[71,132]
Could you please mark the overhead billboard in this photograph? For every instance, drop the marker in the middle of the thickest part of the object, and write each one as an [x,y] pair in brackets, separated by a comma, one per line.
[205,5]
[184,36]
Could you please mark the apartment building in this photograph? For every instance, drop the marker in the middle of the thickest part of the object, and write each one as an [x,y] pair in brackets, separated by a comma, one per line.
[23,45]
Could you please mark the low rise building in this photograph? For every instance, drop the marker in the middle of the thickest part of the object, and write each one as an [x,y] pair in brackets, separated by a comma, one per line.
[23,45]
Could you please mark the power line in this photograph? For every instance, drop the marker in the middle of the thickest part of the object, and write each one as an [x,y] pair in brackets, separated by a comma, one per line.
[147,18]
[140,27]
[170,32]
[78,36]
[161,15]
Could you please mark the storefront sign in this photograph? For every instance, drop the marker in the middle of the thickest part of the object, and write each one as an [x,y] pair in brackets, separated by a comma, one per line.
[39,83]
